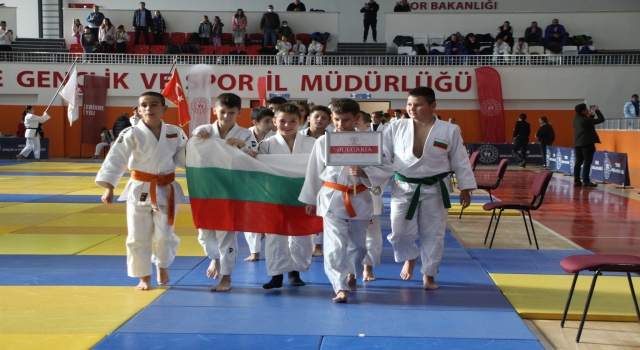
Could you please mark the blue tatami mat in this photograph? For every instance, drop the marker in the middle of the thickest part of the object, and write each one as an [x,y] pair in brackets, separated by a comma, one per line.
[523,261]
[22,198]
[369,343]
[138,341]
[85,262]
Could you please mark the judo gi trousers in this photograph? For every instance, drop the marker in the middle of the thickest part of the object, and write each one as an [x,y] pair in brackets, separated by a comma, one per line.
[428,224]
[254,242]
[221,245]
[287,253]
[150,239]
[32,144]
[374,242]
[344,250]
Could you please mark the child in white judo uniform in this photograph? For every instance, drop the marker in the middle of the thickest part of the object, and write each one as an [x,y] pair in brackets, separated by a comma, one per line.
[31,122]
[290,254]
[319,118]
[424,150]
[345,216]
[222,246]
[151,150]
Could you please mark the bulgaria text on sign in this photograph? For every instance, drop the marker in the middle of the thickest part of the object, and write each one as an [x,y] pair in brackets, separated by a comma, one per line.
[354,148]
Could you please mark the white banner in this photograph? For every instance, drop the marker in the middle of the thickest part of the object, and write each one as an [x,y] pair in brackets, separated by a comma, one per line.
[69,94]
[199,85]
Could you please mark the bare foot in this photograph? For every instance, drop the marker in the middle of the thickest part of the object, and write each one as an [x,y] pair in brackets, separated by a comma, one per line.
[429,282]
[407,270]
[351,280]
[145,283]
[253,257]
[163,275]
[368,276]
[317,250]
[224,284]
[214,269]
[341,297]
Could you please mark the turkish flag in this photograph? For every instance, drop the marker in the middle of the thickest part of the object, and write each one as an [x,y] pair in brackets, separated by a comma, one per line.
[491,105]
[174,92]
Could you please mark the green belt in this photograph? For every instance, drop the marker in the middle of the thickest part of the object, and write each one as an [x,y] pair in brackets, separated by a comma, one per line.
[426,181]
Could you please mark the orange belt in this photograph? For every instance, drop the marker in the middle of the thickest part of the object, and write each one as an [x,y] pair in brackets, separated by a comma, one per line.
[347,190]
[160,180]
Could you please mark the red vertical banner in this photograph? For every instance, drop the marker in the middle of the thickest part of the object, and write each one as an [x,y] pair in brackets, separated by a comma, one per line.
[491,106]
[262,91]
[94,103]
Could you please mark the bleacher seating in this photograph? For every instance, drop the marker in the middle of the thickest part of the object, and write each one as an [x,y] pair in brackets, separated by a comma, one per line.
[227,39]
[306,38]
[177,38]
[223,50]
[206,50]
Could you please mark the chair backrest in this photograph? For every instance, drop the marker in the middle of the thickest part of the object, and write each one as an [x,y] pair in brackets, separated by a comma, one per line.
[436,39]
[536,49]
[238,48]
[177,38]
[158,49]
[227,39]
[206,50]
[475,157]
[305,37]
[76,48]
[539,188]
[165,38]
[420,39]
[223,50]
[502,168]
[141,49]
[570,50]
[253,50]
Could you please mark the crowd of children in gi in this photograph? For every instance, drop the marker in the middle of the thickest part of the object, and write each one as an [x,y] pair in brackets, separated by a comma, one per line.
[418,152]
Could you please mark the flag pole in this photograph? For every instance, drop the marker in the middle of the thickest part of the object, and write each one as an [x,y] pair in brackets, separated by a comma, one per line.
[61,85]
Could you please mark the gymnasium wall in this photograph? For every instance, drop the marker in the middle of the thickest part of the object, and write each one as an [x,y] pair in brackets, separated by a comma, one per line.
[621,141]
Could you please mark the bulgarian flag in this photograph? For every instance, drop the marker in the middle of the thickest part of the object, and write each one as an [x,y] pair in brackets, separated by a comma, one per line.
[231,191]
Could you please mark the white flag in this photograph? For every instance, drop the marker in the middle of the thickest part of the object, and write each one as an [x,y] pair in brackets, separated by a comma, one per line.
[199,83]
[69,94]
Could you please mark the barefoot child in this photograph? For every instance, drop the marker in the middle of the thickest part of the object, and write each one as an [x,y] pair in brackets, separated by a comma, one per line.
[319,119]
[290,254]
[345,218]
[222,246]
[152,150]
[424,150]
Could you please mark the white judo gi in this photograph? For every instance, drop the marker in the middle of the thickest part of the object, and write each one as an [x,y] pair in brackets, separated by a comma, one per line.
[443,151]
[150,237]
[223,245]
[33,138]
[318,237]
[344,236]
[287,253]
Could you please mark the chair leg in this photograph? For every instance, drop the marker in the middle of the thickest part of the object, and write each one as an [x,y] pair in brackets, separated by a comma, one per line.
[526,226]
[461,210]
[633,294]
[533,230]
[490,196]
[495,228]
[489,228]
[586,306]
[566,307]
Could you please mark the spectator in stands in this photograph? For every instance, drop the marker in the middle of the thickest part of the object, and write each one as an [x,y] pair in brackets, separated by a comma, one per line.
[534,34]
[269,25]
[521,134]
[454,46]
[216,31]
[315,49]
[107,36]
[120,124]
[142,19]
[95,20]
[122,38]
[545,136]
[505,32]
[402,6]
[274,102]
[205,30]
[521,48]
[585,138]
[6,37]
[299,49]
[77,30]
[631,108]
[283,47]
[296,6]
[107,140]
[555,33]
[88,40]
[501,48]
[397,114]
[471,46]
[370,10]
[285,31]
[159,28]
[239,27]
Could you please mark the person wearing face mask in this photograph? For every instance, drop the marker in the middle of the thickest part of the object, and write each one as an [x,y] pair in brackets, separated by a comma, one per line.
[285,30]
[269,25]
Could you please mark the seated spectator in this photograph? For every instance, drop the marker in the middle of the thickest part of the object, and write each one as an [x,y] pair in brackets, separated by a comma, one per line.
[534,34]
[298,49]
[505,32]
[501,48]
[315,49]
[555,33]
[107,36]
[285,31]
[122,38]
[632,108]
[283,46]
[107,140]
[453,47]
[521,48]
[402,6]
[205,29]
[296,6]
[471,46]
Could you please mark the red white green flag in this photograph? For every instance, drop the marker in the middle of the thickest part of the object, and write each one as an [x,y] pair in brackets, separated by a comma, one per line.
[231,191]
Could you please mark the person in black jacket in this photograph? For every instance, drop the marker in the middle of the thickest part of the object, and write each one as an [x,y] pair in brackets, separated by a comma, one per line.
[370,10]
[269,24]
[521,139]
[585,138]
[402,6]
[142,20]
[545,136]
[296,6]
[120,124]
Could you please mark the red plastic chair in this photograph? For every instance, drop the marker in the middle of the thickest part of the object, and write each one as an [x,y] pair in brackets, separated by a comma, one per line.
[223,50]
[206,50]
[306,38]
[539,188]
[474,159]
[598,263]
[142,49]
[488,186]
[177,38]
[165,38]
[255,39]
[158,49]
[227,39]
[76,50]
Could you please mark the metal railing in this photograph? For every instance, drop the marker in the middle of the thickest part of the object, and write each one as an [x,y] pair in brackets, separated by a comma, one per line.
[330,60]
[620,124]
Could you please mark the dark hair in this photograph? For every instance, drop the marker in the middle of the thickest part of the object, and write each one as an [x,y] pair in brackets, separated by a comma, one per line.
[236,15]
[344,106]
[134,108]
[522,116]
[229,99]
[142,3]
[521,39]
[534,22]
[320,108]
[104,128]
[277,100]
[303,104]
[581,108]
[544,119]
[87,27]
[386,115]
[426,92]
[634,95]
[288,108]
[261,112]
[26,111]
[156,95]
[398,111]
[366,117]
[109,21]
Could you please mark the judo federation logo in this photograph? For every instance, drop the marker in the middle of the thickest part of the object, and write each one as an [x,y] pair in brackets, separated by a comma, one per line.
[488,153]
[548,158]
[607,166]
[572,161]
[354,140]
[490,107]
[558,160]
[200,105]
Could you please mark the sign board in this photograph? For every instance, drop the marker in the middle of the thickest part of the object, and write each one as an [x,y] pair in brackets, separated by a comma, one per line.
[608,167]
[354,148]
[279,95]
[10,147]
[493,153]
[361,96]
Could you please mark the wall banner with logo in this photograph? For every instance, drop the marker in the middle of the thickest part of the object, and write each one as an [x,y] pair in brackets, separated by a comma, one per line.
[607,167]
[93,107]
[491,107]
[495,152]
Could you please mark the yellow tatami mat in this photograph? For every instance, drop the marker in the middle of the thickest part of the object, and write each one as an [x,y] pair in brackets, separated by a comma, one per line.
[49,341]
[189,246]
[476,209]
[544,296]
[12,243]
[64,208]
